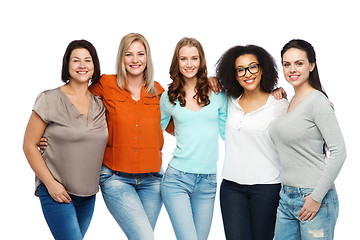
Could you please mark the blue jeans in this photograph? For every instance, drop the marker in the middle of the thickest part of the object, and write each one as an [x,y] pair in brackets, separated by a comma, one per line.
[189,201]
[288,225]
[249,211]
[67,221]
[134,200]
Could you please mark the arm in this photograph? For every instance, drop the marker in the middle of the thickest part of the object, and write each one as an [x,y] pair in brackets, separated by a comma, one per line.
[222,116]
[326,122]
[165,115]
[34,130]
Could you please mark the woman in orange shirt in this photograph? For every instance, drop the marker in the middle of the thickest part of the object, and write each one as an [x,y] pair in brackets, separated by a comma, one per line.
[131,173]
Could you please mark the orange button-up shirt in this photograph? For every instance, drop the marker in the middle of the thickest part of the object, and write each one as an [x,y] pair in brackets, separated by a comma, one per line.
[135,135]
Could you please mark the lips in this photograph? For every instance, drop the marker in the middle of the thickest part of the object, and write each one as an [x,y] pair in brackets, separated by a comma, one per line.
[135,66]
[294,77]
[249,81]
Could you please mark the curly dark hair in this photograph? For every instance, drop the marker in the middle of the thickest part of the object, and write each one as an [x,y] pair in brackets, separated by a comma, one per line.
[176,88]
[225,69]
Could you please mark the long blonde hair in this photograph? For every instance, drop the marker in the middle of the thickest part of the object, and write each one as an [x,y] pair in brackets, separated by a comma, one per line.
[121,74]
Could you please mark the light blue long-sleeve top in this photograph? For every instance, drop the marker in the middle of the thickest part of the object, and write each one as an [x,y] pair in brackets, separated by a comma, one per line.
[196,133]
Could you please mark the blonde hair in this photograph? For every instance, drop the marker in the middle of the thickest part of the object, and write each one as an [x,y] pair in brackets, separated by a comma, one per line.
[121,74]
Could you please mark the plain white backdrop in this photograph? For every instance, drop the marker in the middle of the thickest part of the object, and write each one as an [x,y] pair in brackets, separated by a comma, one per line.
[34,35]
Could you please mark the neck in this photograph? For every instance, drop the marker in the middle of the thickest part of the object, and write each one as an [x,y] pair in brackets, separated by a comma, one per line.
[303,89]
[135,81]
[190,83]
[254,94]
[76,88]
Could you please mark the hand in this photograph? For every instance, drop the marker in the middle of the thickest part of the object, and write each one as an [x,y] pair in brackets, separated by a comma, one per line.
[42,144]
[279,93]
[214,85]
[58,192]
[309,210]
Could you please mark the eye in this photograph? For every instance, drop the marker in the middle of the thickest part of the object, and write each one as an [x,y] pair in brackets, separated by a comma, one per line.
[253,67]
[286,64]
[195,58]
[183,58]
[240,70]
[127,54]
[299,64]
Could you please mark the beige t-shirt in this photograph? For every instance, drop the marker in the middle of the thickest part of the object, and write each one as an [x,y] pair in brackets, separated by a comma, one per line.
[76,144]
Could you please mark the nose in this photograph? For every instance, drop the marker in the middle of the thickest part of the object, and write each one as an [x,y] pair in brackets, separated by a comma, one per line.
[82,64]
[292,68]
[188,63]
[247,72]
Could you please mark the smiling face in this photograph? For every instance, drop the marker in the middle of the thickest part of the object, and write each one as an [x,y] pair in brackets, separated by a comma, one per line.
[135,59]
[189,61]
[251,80]
[296,67]
[81,66]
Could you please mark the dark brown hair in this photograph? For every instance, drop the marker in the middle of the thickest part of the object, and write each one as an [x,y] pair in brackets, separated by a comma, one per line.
[176,88]
[314,78]
[76,44]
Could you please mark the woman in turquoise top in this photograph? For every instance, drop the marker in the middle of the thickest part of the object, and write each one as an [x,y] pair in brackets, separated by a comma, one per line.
[188,187]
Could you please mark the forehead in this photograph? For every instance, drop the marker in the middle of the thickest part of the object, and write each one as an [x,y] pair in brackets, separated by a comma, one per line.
[246,59]
[294,54]
[80,52]
[188,50]
[136,46]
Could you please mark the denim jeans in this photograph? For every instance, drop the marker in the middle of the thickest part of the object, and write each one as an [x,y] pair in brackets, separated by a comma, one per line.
[189,201]
[134,200]
[288,225]
[249,211]
[67,221]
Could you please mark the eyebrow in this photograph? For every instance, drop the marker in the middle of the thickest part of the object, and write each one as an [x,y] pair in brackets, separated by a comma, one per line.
[247,65]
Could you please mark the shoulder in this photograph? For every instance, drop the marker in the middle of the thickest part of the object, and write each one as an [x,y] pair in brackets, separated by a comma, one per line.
[283,102]
[160,90]
[51,93]
[320,102]
[106,79]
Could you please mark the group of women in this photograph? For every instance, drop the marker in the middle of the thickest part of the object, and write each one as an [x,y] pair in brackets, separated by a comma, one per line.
[281,159]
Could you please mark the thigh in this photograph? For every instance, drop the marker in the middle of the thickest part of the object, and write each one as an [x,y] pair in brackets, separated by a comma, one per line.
[124,204]
[287,225]
[323,224]
[175,193]
[84,207]
[150,196]
[235,211]
[60,217]
[202,204]
[264,201]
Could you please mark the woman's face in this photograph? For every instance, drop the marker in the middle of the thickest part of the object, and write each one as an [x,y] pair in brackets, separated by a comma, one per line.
[81,66]
[248,72]
[135,59]
[296,67]
[189,61]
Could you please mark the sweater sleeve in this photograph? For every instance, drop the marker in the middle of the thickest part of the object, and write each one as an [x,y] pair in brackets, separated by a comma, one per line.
[222,115]
[326,122]
[165,110]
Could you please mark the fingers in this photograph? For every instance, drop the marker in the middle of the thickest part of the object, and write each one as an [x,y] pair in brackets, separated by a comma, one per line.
[214,85]
[59,193]
[309,209]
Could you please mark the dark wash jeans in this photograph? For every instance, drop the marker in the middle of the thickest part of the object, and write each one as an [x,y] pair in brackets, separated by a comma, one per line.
[249,211]
[67,221]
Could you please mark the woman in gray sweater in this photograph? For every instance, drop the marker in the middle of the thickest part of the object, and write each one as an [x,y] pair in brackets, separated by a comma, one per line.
[308,207]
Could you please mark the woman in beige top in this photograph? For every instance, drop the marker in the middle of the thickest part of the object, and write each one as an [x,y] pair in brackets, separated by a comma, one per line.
[67,173]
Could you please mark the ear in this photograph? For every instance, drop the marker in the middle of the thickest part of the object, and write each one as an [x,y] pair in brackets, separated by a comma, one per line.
[312,66]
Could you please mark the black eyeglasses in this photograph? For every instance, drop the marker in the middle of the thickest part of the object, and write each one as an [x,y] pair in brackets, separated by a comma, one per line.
[241,71]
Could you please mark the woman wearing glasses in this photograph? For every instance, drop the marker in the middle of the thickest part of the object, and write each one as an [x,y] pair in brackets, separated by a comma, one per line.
[249,193]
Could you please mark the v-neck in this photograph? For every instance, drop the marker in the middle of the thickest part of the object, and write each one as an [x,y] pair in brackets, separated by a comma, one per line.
[75,109]
[200,108]
[300,103]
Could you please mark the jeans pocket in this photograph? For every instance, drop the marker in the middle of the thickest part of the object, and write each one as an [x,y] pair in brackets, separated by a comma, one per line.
[105,174]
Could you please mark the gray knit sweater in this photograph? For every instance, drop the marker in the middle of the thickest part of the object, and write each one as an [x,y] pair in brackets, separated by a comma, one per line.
[299,138]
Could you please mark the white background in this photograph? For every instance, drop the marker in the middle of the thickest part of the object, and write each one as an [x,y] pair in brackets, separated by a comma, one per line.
[34,35]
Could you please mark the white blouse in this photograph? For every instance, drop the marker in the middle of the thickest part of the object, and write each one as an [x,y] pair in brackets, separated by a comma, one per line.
[250,154]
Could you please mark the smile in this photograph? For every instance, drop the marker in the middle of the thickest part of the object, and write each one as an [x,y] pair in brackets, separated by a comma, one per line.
[249,81]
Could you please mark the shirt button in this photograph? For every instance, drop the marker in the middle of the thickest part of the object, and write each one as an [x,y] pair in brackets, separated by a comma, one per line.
[136,138]
[136,125]
[136,151]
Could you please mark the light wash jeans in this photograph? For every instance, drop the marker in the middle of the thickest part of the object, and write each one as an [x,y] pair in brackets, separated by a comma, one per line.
[67,221]
[134,200]
[289,227]
[189,201]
